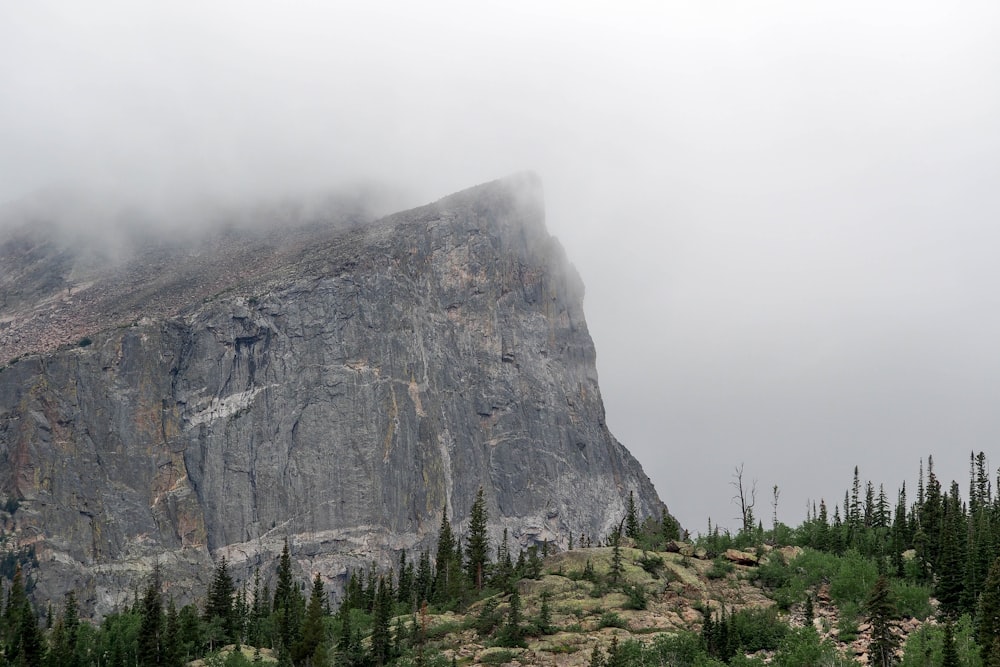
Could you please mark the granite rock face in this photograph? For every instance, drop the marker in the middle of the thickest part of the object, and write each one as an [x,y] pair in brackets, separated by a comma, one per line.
[340,400]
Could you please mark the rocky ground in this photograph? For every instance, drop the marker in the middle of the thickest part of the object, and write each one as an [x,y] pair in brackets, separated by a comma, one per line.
[676,597]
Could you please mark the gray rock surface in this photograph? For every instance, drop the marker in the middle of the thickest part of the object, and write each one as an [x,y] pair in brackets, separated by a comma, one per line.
[340,400]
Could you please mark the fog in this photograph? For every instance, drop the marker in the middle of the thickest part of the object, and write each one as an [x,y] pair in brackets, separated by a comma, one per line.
[785,213]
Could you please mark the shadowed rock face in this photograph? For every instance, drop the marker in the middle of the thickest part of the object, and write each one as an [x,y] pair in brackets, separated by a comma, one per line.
[341,400]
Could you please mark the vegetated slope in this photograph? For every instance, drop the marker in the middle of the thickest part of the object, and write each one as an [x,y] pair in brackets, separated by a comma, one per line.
[342,393]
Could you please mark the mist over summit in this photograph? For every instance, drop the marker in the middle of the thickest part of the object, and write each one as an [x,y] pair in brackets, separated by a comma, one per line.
[339,385]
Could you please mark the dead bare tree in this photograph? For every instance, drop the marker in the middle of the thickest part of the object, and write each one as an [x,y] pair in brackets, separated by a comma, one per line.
[746,498]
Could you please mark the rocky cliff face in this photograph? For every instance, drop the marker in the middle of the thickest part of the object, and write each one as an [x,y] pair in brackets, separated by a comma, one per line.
[340,398]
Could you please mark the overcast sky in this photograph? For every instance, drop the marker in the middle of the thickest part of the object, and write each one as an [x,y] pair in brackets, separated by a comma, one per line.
[785,213]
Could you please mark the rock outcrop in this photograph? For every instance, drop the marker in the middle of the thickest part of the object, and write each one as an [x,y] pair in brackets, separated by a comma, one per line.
[341,398]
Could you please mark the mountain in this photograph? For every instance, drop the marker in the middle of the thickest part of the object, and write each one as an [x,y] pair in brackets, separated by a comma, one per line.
[336,385]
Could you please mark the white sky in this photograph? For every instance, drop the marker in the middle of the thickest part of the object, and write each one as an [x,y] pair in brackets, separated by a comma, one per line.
[785,213]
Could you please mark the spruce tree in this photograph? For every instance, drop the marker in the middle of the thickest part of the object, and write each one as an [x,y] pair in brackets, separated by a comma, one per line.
[151,628]
[949,652]
[631,518]
[219,610]
[478,544]
[424,578]
[443,559]
[616,558]
[881,610]
[172,648]
[381,636]
[988,615]
[951,562]
[545,614]
[313,629]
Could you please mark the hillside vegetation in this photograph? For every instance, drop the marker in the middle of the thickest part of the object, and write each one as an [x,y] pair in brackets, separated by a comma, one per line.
[915,583]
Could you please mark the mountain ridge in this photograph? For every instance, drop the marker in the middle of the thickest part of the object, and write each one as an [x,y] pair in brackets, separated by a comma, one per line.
[341,400]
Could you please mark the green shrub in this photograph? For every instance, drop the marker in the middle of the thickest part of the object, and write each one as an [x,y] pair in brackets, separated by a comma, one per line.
[758,629]
[496,658]
[610,619]
[912,599]
[854,579]
[84,342]
[488,618]
[720,568]
[682,648]
[636,597]
[652,564]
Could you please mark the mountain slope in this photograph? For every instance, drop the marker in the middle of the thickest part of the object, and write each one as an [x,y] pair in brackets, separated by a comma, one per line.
[339,396]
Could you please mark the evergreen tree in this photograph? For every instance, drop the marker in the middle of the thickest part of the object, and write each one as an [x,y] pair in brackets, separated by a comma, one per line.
[988,615]
[899,533]
[949,652]
[631,518]
[30,651]
[285,588]
[503,573]
[63,647]
[616,557]
[151,629]
[172,646]
[313,628]
[219,612]
[545,614]
[512,633]
[404,588]
[478,545]
[951,561]
[424,578]
[381,636]
[881,610]
[349,650]
[288,604]
[443,559]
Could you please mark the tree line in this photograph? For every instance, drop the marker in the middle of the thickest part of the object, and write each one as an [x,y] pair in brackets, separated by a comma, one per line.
[300,628]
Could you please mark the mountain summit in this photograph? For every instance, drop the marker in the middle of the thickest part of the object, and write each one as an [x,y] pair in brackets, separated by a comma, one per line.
[338,386]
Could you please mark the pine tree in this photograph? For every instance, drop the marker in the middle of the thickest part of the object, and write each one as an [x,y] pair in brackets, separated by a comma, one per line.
[616,557]
[478,545]
[545,614]
[151,629]
[313,629]
[512,633]
[949,652]
[988,615]
[503,573]
[404,589]
[951,561]
[219,610]
[899,533]
[381,636]
[443,559]
[288,603]
[881,611]
[172,650]
[631,518]
[63,645]
[424,579]
[30,650]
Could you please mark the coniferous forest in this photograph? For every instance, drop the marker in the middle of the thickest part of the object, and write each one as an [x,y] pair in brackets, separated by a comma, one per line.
[929,557]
